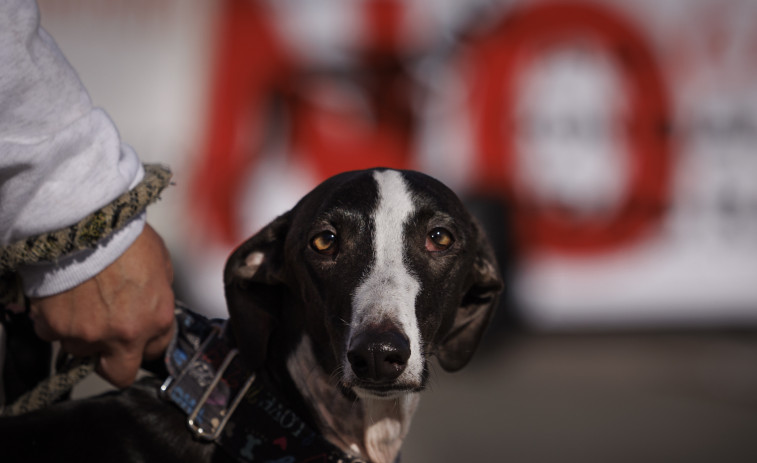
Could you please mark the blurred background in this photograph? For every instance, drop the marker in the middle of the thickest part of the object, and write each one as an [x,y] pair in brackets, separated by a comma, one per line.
[609,147]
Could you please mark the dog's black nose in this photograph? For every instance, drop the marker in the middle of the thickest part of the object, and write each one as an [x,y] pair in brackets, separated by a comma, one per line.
[378,356]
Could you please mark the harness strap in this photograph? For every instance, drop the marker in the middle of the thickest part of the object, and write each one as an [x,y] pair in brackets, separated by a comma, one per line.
[225,404]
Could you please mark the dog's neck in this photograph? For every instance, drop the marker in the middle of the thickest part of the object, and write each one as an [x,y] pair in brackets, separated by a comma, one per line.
[365,427]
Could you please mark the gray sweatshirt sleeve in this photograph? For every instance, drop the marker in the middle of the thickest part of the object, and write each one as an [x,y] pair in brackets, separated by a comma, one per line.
[60,157]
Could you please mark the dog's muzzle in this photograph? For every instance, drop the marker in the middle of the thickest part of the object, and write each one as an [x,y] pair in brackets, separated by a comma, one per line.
[378,357]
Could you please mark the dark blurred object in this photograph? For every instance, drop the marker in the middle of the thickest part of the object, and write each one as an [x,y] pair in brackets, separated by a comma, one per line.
[27,357]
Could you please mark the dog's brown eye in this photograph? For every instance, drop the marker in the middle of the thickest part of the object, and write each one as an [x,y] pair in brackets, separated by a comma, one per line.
[439,239]
[324,242]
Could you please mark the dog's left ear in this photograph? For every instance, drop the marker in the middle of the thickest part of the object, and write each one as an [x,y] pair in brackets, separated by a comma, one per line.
[471,318]
[254,290]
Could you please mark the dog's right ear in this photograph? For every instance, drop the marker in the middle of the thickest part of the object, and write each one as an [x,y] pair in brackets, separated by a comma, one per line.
[254,290]
[475,310]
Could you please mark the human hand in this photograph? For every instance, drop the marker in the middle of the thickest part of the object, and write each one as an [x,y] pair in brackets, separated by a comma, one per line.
[124,314]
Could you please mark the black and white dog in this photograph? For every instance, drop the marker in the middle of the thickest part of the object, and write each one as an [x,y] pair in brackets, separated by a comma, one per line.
[338,305]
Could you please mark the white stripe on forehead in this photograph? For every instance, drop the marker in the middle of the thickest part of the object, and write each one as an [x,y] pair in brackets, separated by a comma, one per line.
[394,208]
[388,292]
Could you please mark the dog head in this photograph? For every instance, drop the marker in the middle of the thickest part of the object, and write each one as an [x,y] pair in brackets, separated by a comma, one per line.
[381,269]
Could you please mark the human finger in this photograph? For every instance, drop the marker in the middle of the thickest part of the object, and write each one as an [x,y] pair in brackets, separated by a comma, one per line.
[120,366]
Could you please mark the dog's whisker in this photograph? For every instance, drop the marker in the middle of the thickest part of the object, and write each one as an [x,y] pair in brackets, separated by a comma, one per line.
[336,375]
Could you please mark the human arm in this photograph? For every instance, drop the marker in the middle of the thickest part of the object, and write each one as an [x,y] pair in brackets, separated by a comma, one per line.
[61,159]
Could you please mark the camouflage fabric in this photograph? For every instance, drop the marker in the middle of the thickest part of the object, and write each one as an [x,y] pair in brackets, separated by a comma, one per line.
[48,247]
